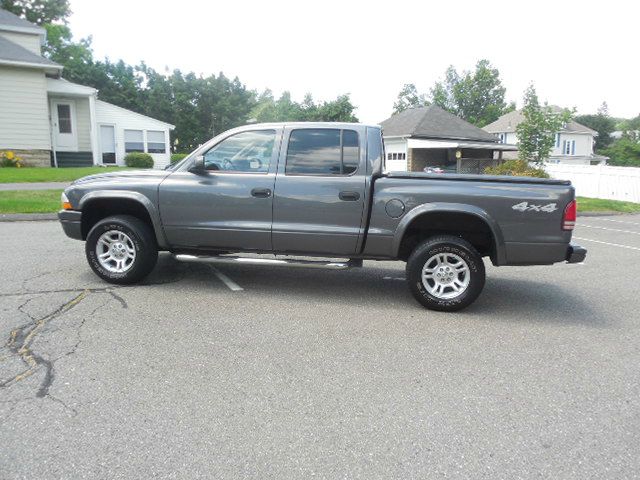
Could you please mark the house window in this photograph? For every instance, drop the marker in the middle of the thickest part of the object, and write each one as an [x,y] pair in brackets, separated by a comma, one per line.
[502,137]
[569,147]
[133,141]
[322,152]
[155,141]
[396,156]
[557,139]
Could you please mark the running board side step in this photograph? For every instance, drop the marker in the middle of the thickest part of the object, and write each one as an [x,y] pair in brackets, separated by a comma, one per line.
[269,261]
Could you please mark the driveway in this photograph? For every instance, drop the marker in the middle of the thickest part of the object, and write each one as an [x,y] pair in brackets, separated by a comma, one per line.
[263,372]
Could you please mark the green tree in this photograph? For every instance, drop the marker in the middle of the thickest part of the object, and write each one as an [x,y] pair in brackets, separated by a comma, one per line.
[536,133]
[408,98]
[477,96]
[602,123]
[287,110]
[624,152]
[40,12]
[631,124]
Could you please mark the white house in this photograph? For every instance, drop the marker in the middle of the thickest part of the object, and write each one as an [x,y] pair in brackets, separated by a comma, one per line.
[573,143]
[47,120]
[432,138]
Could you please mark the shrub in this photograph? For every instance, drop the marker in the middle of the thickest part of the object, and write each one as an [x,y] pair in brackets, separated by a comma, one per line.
[9,159]
[138,160]
[516,168]
[624,152]
[176,157]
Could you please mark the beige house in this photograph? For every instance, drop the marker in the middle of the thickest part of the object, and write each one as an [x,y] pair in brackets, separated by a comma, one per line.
[573,143]
[47,120]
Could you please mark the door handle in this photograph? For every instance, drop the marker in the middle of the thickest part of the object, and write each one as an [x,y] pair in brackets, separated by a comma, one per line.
[349,196]
[261,192]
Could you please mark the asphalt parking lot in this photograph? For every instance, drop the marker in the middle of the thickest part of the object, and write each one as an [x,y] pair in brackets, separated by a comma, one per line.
[263,372]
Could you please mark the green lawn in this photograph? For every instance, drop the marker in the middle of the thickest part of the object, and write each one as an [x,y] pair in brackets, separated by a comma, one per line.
[30,175]
[598,205]
[30,201]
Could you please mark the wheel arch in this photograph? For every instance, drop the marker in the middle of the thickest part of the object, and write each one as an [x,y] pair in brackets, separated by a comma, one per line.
[418,217]
[100,204]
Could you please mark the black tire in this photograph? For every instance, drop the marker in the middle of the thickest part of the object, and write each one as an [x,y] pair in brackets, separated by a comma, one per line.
[144,243]
[445,244]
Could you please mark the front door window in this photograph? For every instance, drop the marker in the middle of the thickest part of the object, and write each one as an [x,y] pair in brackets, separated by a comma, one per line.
[64,118]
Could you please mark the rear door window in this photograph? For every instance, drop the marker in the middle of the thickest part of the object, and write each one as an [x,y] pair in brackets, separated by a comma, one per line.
[322,151]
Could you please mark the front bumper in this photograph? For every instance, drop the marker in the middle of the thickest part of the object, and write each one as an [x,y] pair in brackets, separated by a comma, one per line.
[576,254]
[71,221]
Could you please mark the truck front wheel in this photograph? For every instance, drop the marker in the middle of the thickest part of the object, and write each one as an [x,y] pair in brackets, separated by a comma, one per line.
[445,273]
[121,249]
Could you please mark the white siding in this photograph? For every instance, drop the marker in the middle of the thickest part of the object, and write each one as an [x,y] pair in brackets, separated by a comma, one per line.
[395,145]
[583,148]
[124,119]
[24,111]
[84,125]
[584,144]
[26,40]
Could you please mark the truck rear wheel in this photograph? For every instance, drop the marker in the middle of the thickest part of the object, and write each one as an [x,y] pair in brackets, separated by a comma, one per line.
[121,249]
[445,273]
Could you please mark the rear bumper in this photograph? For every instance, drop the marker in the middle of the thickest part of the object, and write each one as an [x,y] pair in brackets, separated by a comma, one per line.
[71,221]
[576,254]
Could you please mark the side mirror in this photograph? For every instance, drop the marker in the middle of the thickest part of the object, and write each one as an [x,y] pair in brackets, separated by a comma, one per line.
[198,165]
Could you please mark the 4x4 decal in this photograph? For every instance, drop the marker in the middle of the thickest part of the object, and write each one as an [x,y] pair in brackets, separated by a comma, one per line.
[530,207]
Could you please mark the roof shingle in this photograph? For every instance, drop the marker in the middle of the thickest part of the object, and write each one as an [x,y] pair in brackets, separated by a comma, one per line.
[8,19]
[433,122]
[11,52]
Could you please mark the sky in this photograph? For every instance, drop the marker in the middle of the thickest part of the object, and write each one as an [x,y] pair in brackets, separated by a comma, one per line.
[576,53]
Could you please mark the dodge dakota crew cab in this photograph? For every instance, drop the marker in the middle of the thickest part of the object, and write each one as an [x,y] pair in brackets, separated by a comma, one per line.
[320,190]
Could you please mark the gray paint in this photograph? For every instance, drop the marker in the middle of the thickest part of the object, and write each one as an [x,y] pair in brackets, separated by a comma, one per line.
[306,215]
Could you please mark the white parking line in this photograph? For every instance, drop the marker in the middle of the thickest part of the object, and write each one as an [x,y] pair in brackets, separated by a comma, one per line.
[611,220]
[609,229]
[607,243]
[227,281]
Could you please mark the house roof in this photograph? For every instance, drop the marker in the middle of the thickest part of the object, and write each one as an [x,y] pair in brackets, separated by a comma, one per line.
[13,23]
[509,121]
[65,87]
[433,122]
[108,108]
[13,54]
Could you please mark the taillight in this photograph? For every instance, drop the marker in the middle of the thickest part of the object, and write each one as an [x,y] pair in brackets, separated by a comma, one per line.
[570,214]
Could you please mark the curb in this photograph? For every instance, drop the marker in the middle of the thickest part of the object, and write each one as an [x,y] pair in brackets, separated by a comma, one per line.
[28,217]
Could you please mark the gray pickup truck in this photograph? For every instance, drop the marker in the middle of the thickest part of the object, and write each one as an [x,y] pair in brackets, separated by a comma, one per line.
[320,190]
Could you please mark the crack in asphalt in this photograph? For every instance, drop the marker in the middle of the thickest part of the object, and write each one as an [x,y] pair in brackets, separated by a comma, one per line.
[21,338]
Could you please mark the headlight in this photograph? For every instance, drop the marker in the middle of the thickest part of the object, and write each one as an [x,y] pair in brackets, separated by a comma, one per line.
[66,204]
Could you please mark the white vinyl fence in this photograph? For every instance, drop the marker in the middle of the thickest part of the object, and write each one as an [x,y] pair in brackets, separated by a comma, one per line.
[600,181]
